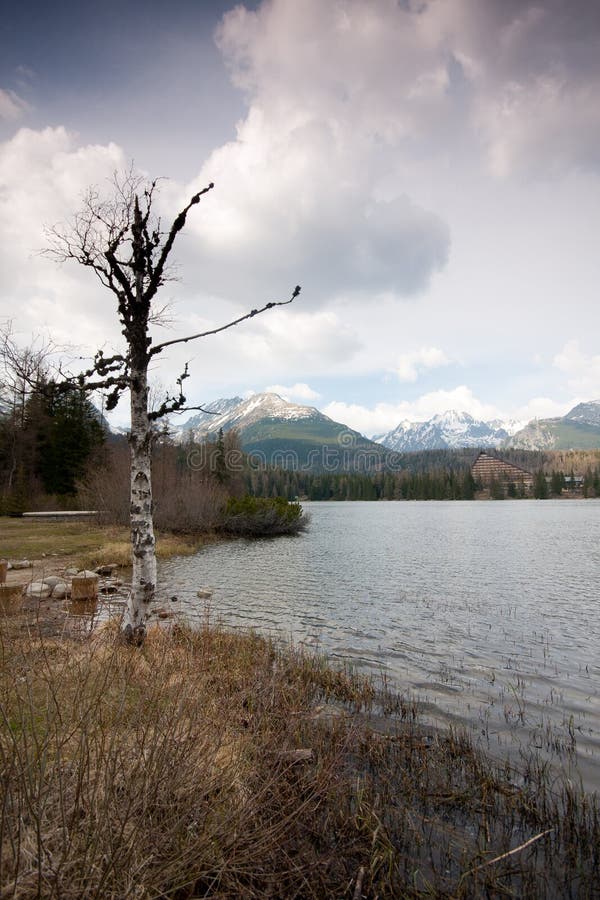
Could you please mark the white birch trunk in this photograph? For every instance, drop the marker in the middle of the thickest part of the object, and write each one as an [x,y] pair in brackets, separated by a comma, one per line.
[143,580]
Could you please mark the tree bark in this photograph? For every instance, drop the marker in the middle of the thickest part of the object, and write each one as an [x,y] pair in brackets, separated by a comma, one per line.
[143,580]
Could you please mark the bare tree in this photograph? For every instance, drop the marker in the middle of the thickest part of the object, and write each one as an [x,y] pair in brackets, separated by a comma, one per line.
[122,240]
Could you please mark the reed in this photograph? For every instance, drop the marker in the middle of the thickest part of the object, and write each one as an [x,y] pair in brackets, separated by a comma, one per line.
[210,763]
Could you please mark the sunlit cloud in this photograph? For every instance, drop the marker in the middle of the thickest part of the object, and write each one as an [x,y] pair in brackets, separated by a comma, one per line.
[298,393]
[582,369]
[410,365]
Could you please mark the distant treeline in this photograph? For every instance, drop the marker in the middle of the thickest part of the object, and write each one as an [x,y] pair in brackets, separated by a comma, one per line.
[54,452]
[436,484]
[433,485]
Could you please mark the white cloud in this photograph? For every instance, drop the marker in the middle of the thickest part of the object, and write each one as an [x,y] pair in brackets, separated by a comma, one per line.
[409,365]
[582,369]
[533,75]
[42,177]
[299,193]
[367,129]
[384,417]
[543,408]
[299,392]
[544,126]
[11,105]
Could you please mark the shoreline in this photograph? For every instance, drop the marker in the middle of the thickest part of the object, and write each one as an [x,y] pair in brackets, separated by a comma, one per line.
[230,759]
[393,806]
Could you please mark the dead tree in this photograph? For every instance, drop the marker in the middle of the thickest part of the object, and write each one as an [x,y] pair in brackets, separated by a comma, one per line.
[124,243]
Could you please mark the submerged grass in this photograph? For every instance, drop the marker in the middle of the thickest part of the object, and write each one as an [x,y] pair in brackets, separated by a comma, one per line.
[175,770]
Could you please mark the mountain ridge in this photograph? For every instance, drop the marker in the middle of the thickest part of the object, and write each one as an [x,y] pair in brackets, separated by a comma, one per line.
[268,420]
[283,433]
[448,430]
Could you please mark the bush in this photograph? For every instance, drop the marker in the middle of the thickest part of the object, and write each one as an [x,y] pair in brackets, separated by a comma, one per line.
[183,500]
[260,516]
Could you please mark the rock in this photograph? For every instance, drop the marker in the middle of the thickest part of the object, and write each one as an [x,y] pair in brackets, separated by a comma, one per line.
[9,566]
[60,590]
[86,573]
[38,589]
[70,571]
[204,593]
[22,564]
[53,580]
[108,587]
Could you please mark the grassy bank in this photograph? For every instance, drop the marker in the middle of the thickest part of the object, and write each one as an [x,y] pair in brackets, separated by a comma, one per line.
[87,544]
[213,764]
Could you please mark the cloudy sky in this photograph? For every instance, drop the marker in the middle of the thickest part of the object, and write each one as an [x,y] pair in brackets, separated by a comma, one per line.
[427,170]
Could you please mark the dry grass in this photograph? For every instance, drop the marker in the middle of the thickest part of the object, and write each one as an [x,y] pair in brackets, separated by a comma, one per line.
[86,544]
[166,771]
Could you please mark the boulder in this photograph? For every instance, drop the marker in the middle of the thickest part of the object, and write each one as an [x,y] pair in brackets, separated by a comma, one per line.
[60,590]
[204,593]
[70,571]
[22,564]
[38,589]
[53,580]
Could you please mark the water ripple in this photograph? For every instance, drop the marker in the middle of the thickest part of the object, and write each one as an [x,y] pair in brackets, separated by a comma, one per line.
[493,607]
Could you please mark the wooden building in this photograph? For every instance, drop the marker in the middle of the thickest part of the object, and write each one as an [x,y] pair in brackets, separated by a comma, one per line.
[488,468]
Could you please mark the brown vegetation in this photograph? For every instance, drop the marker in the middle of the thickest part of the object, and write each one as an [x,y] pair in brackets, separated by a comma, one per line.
[187,498]
[174,770]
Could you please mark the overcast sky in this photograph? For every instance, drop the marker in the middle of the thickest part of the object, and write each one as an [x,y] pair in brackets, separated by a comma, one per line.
[427,170]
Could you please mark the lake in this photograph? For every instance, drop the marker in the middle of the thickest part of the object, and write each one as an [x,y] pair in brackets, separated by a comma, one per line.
[487,612]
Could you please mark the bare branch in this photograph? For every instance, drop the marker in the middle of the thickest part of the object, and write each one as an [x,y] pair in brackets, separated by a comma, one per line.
[209,412]
[253,312]
[171,404]
[178,224]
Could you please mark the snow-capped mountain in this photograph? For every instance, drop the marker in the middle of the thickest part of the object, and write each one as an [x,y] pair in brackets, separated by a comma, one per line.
[202,423]
[268,422]
[585,413]
[448,430]
[241,414]
[285,434]
[578,430]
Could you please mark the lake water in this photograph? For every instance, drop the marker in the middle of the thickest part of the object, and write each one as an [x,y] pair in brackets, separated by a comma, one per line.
[489,613]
